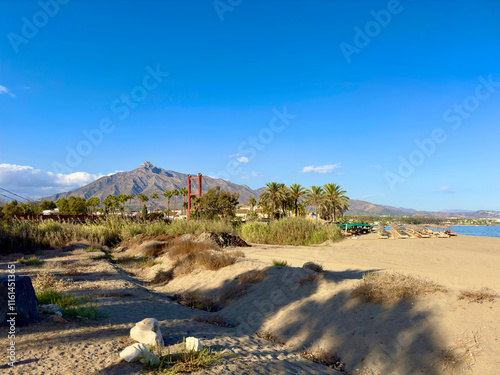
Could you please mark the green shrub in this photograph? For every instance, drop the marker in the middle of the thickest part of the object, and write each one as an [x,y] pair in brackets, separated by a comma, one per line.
[289,231]
[33,261]
[189,361]
[70,306]
[50,296]
[280,263]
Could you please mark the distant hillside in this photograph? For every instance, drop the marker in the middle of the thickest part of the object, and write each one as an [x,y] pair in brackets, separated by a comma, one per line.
[149,179]
[362,208]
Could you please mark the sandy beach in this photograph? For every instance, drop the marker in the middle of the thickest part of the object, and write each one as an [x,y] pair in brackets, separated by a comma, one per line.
[303,313]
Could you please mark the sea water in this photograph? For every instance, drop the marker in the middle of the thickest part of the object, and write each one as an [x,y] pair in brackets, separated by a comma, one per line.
[477,230]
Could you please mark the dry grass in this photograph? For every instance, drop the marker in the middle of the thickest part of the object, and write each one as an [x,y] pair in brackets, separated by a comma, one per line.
[45,279]
[208,259]
[463,353]
[185,247]
[216,320]
[231,293]
[392,287]
[151,249]
[197,301]
[252,277]
[162,277]
[313,267]
[237,253]
[310,278]
[478,295]
[331,360]
[270,337]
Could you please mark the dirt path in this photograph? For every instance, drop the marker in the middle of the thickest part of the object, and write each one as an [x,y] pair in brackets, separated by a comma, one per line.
[86,347]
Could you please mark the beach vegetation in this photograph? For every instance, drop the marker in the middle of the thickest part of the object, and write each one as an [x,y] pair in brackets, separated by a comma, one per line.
[33,261]
[289,231]
[477,295]
[392,287]
[279,263]
[313,267]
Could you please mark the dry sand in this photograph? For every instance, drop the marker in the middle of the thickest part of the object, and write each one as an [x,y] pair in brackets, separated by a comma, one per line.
[409,337]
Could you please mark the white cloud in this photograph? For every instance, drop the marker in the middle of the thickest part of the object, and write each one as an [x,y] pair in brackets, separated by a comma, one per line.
[445,190]
[376,166]
[242,159]
[31,182]
[5,90]
[256,174]
[327,168]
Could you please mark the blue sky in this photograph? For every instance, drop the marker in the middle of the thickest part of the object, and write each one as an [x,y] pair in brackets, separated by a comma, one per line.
[305,92]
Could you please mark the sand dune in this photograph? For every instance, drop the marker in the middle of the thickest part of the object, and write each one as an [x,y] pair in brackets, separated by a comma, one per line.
[319,315]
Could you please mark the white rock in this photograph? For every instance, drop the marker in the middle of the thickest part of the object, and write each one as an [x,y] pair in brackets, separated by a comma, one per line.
[194,344]
[58,313]
[139,353]
[147,332]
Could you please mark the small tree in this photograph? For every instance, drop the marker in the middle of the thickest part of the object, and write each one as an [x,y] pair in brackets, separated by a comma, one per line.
[217,204]
[92,203]
[144,212]
[251,203]
[47,205]
[63,206]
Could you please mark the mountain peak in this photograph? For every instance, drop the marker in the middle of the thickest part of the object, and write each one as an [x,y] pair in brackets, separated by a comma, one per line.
[147,165]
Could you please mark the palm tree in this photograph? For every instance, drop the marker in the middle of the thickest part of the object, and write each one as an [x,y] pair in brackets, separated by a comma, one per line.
[184,192]
[175,194]
[315,197]
[336,199]
[168,194]
[154,196]
[297,192]
[130,197]
[251,203]
[122,198]
[285,198]
[142,198]
[271,196]
[93,202]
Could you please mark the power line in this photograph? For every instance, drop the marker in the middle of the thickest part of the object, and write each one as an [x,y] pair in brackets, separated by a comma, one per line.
[17,195]
[3,195]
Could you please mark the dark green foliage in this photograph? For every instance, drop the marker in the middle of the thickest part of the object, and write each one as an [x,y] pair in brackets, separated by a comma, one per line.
[216,204]
[47,205]
[144,212]
[72,206]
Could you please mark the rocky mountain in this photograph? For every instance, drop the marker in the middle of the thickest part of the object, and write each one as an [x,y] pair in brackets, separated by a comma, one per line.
[149,179]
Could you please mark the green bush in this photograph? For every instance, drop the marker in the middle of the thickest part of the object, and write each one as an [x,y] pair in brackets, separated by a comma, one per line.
[280,263]
[33,261]
[50,296]
[70,306]
[289,231]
